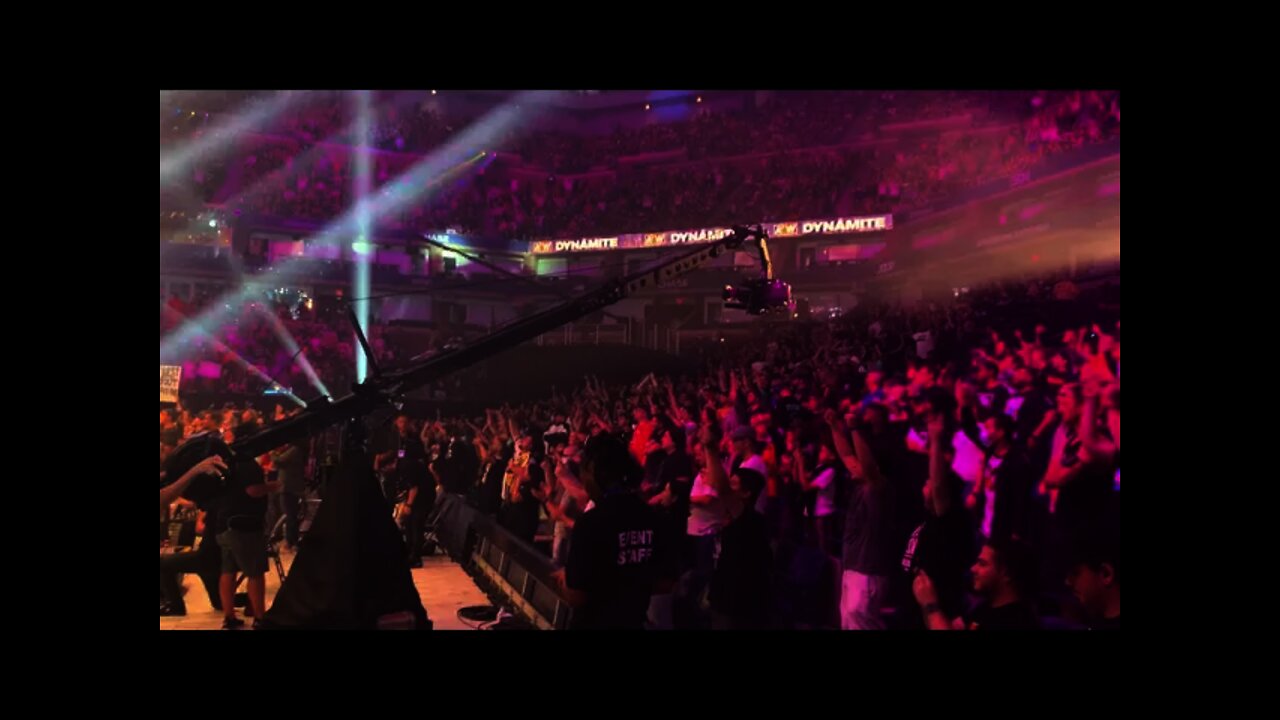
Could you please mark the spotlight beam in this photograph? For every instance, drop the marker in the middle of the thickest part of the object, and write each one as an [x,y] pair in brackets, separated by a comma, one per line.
[409,187]
[307,158]
[281,332]
[176,162]
[291,344]
[236,357]
[360,268]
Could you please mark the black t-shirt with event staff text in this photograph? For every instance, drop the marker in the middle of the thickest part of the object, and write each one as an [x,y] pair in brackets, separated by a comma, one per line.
[620,549]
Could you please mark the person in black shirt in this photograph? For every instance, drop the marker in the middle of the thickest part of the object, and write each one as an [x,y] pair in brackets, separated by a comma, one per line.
[492,471]
[1079,482]
[1094,577]
[409,463]
[463,465]
[1002,497]
[566,503]
[992,394]
[674,480]
[558,431]
[819,486]
[1004,577]
[239,514]
[942,546]
[914,469]
[170,429]
[1059,371]
[869,535]
[206,560]
[621,553]
[291,466]
[456,467]
[740,586]
[654,456]
[674,484]
[1079,478]
[523,489]
[1028,405]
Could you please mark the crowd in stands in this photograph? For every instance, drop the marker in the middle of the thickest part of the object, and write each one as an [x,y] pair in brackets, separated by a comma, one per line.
[945,465]
[246,354]
[799,155]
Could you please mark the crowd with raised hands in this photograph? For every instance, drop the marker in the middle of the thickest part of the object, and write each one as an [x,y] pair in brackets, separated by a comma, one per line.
[954,466]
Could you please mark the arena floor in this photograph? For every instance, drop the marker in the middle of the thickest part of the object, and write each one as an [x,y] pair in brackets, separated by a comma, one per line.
[442,584]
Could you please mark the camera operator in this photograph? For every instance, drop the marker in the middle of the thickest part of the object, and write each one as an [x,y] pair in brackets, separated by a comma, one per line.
[408,463]
[241,513]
